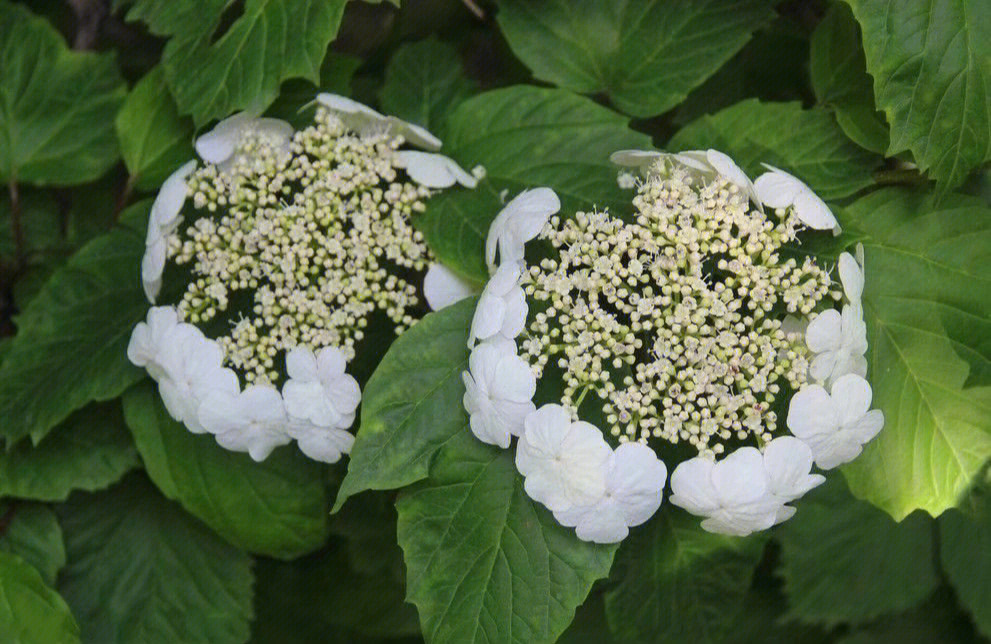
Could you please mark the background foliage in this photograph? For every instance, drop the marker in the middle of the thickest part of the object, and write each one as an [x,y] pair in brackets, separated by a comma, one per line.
[118,525]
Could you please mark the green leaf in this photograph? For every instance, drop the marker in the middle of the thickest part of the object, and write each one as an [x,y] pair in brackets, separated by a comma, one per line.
[840,79]
[876,566]
[411,406]
[524,137]
[212,74]
[142,570]
[277,507]
[806,143]
[645,56]
[939,619]
[154,138]
[965,549]
[485,563]
[335,77]
[33,533]
[679,583]
[424,82]
[30,611]
[929,60]
[927,304]
[71,345]
[40,222]
[89,451]
[56,123]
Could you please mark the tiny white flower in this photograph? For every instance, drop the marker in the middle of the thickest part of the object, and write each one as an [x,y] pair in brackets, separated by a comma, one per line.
[318,389]
[324,444]
[851,277]
[191,371]
[148,339]
[634,484]
[502,307]
[499,388]
[778,189]
[479,172]
[518,222]
[563,463]
[164,219]
[839,342]
[442,287]
[626,181]
[788,462]
[433,170]
[252,421]
[733,494]
[363,119]
[835,425]
[219,144]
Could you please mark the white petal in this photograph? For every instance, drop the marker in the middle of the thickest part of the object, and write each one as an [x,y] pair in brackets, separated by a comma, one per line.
[824,333]
[514,318]
[330,364]
[740,478]
[433,170]
[635,481]
[606,524]
[152,266]
[345,105]
[727,167]
[306,400]
[442,287]
[414,134]
[811,412]
[344,395]
[777,188]
[788,462]
[813,211]
[170,199]
[321,443]
[852,277]
[301,364]
[219,412]
[696,160]
[514,380]
[634,158]
[851,396]
[488,318]
[691,486]
[519,221]
[867,427]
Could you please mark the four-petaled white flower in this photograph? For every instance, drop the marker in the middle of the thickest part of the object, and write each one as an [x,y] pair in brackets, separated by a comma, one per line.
[318,390]
[499,388]
[252,421]
[563,462]
[634,481]
[502,308]
[838,424]
[442,287]
[839,341]
[364,120]
[518,222]
[778,189]
[191,370]
[219,145]
[149,340]
[433,170]
[163,220]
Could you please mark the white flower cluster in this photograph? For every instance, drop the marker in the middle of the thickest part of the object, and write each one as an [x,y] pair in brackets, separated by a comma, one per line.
[298,239]
[691,306]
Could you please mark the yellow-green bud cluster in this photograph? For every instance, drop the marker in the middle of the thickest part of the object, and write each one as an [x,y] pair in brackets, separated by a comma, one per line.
[675,320]
[309,239]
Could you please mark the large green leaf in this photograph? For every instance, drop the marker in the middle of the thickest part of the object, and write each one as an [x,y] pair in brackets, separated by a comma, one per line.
[524,137]
[938,619]
[32,532]
[929,60]
[212,74]
[927,304]
[646,56]
[56,105]
[679,583]
[142,570]
[965,549]
[30,611]
[154,138]
[875,566]
[806,143]
[484,562]
[424,82]
[277,507]
[411,406]
[839,76]
[89,451]
[71,345]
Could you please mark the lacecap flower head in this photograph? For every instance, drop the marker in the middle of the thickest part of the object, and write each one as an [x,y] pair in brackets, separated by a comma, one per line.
[269,258]
[686,336]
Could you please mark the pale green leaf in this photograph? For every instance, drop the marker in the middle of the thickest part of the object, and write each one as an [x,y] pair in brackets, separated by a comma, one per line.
[277,507]
[142,570]
[30,611]
[965,550]
[33,533]
[645,56]
[484,562]
[806,143]
[56,106]
[931,63]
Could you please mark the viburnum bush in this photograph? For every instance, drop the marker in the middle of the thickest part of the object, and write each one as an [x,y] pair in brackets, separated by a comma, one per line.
[495,321]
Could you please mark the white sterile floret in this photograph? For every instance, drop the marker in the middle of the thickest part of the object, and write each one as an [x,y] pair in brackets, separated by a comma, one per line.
[518,222]
[162,222]
[318,389]
[788,462]
[220,144]
[252,421]
[499,388]
[634,484]
[778,189]
[191,366]
[838,424]
[365,121]
[433,170]
[502,308]
[563,462]
[443,287]
[148,340]
[839,341]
